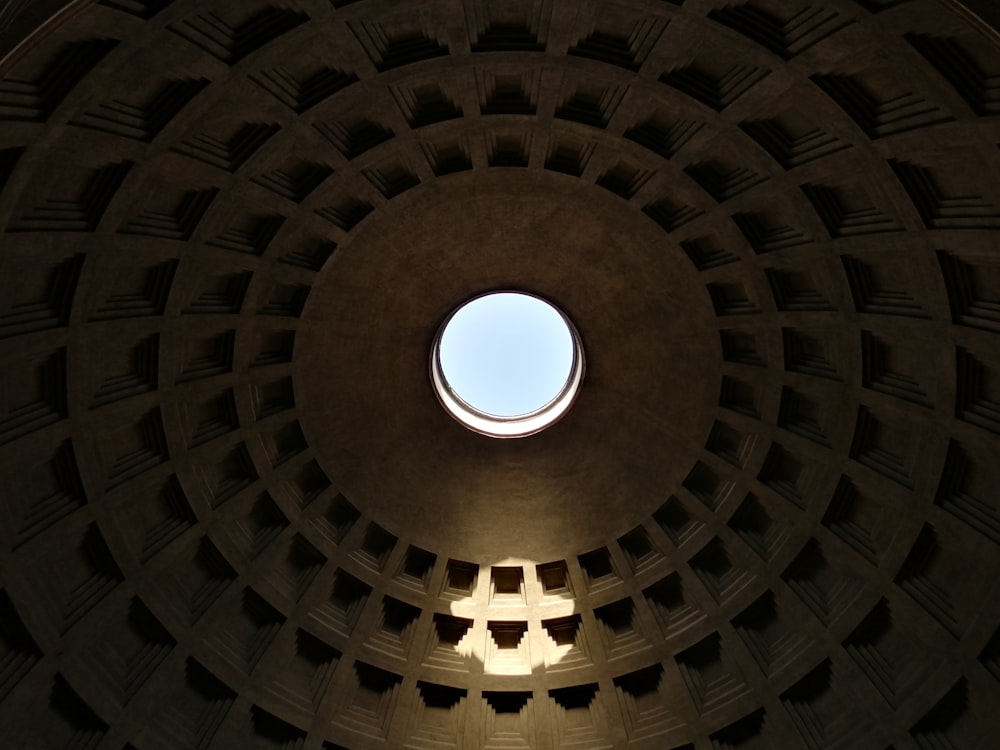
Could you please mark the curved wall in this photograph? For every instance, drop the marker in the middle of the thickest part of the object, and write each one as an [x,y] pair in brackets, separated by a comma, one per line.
[233,512]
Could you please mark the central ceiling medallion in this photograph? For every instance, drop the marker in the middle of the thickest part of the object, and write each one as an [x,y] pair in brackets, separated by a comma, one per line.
[507,364]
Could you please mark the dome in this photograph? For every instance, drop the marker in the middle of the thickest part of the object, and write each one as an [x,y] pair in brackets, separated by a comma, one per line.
[235,512]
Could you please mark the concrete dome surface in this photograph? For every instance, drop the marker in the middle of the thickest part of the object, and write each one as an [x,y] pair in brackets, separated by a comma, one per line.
[234,514]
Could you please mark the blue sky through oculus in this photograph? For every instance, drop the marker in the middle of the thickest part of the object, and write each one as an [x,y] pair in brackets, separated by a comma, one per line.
[507,353]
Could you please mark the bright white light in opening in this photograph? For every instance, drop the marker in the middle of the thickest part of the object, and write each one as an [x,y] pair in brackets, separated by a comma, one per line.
[507,354]
[507,364]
